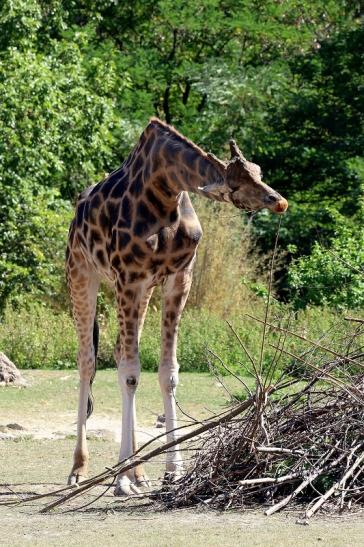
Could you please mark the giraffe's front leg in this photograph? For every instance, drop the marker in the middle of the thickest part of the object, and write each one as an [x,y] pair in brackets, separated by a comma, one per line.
[175,294]
[128,373]
[127,357]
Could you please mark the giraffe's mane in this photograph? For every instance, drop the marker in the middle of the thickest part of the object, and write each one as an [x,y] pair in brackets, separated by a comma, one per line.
[181,138]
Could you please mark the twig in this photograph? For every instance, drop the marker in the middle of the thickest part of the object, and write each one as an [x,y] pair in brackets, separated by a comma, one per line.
[329,377]
[336,486]
[268,300]
[270,480]
[324,348]
[311,477]
[355,319]
[230,371]
[277,450]
[244,348]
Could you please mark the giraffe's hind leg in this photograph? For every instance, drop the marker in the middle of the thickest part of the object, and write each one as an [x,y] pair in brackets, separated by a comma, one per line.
[83,284]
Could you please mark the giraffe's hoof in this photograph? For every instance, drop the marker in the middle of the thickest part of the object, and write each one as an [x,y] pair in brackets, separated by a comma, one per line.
[75,478]
[172,476]
[125,487]
[143,481]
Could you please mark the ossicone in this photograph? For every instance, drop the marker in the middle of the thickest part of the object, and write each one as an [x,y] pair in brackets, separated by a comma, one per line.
[235,151]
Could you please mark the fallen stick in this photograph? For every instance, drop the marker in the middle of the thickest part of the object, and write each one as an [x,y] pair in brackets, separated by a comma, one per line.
[336,486]
[355,319]
[270,480]
[343,491]
[278,450]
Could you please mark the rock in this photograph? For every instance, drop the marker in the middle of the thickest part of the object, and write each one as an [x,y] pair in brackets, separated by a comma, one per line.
[17,427]
[161,421]
[9,374]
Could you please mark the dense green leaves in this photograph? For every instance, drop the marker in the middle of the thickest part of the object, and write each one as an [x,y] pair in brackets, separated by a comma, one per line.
[332,276]
[80,78]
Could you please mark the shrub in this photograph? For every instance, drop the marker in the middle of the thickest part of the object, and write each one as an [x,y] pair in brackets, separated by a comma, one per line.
[38,337]
[331,276]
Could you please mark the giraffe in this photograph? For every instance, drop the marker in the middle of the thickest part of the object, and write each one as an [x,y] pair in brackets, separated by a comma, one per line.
[137,229]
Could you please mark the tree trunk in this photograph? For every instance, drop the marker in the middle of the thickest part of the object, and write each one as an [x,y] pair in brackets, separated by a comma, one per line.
[9,374]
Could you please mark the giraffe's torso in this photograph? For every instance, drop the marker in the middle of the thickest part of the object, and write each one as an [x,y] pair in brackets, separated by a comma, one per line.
[125,231]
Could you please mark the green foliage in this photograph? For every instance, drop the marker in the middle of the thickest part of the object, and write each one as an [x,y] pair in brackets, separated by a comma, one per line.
[55,119]
[313,146]
[334,276]
[19,21]
[33,238]
[78,81]
[37,337]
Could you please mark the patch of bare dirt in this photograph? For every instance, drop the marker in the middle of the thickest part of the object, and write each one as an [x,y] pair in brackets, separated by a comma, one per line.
[99,427]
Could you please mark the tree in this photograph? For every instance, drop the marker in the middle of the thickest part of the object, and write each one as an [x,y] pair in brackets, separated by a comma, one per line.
[312,147]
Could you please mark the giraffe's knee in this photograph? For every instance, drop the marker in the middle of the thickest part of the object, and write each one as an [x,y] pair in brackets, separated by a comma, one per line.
[168,380]
[132,381]
[129,375]
[129,381]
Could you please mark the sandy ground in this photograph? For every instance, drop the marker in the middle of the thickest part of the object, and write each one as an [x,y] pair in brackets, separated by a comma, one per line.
[63,427]
[36,447]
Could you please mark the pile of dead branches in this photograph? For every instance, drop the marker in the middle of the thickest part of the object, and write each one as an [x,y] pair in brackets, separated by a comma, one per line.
[306,446]
[293,439]
[298,440]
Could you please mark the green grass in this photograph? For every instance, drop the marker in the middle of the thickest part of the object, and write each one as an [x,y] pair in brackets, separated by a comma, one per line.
[53,392]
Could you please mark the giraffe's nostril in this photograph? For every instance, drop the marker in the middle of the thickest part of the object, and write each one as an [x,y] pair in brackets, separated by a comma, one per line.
[272,198]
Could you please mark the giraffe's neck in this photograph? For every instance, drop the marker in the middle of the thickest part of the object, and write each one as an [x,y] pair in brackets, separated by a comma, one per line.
[171,164]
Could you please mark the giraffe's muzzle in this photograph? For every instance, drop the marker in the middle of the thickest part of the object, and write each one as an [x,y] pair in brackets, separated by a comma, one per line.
[281,206]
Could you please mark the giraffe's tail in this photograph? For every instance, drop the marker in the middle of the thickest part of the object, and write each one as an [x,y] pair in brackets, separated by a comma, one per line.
[90,401]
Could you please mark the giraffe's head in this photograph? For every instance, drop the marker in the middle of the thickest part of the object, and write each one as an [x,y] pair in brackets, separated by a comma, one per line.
[243,185]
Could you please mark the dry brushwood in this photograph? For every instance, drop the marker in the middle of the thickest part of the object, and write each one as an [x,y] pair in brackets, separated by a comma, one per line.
[307,445]
[275,448]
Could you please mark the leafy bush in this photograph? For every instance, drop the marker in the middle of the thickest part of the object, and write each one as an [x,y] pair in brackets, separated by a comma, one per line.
[37,337]
[331,276]
[56,120]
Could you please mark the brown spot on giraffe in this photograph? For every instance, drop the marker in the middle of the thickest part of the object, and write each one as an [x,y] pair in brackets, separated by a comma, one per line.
[138,229]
